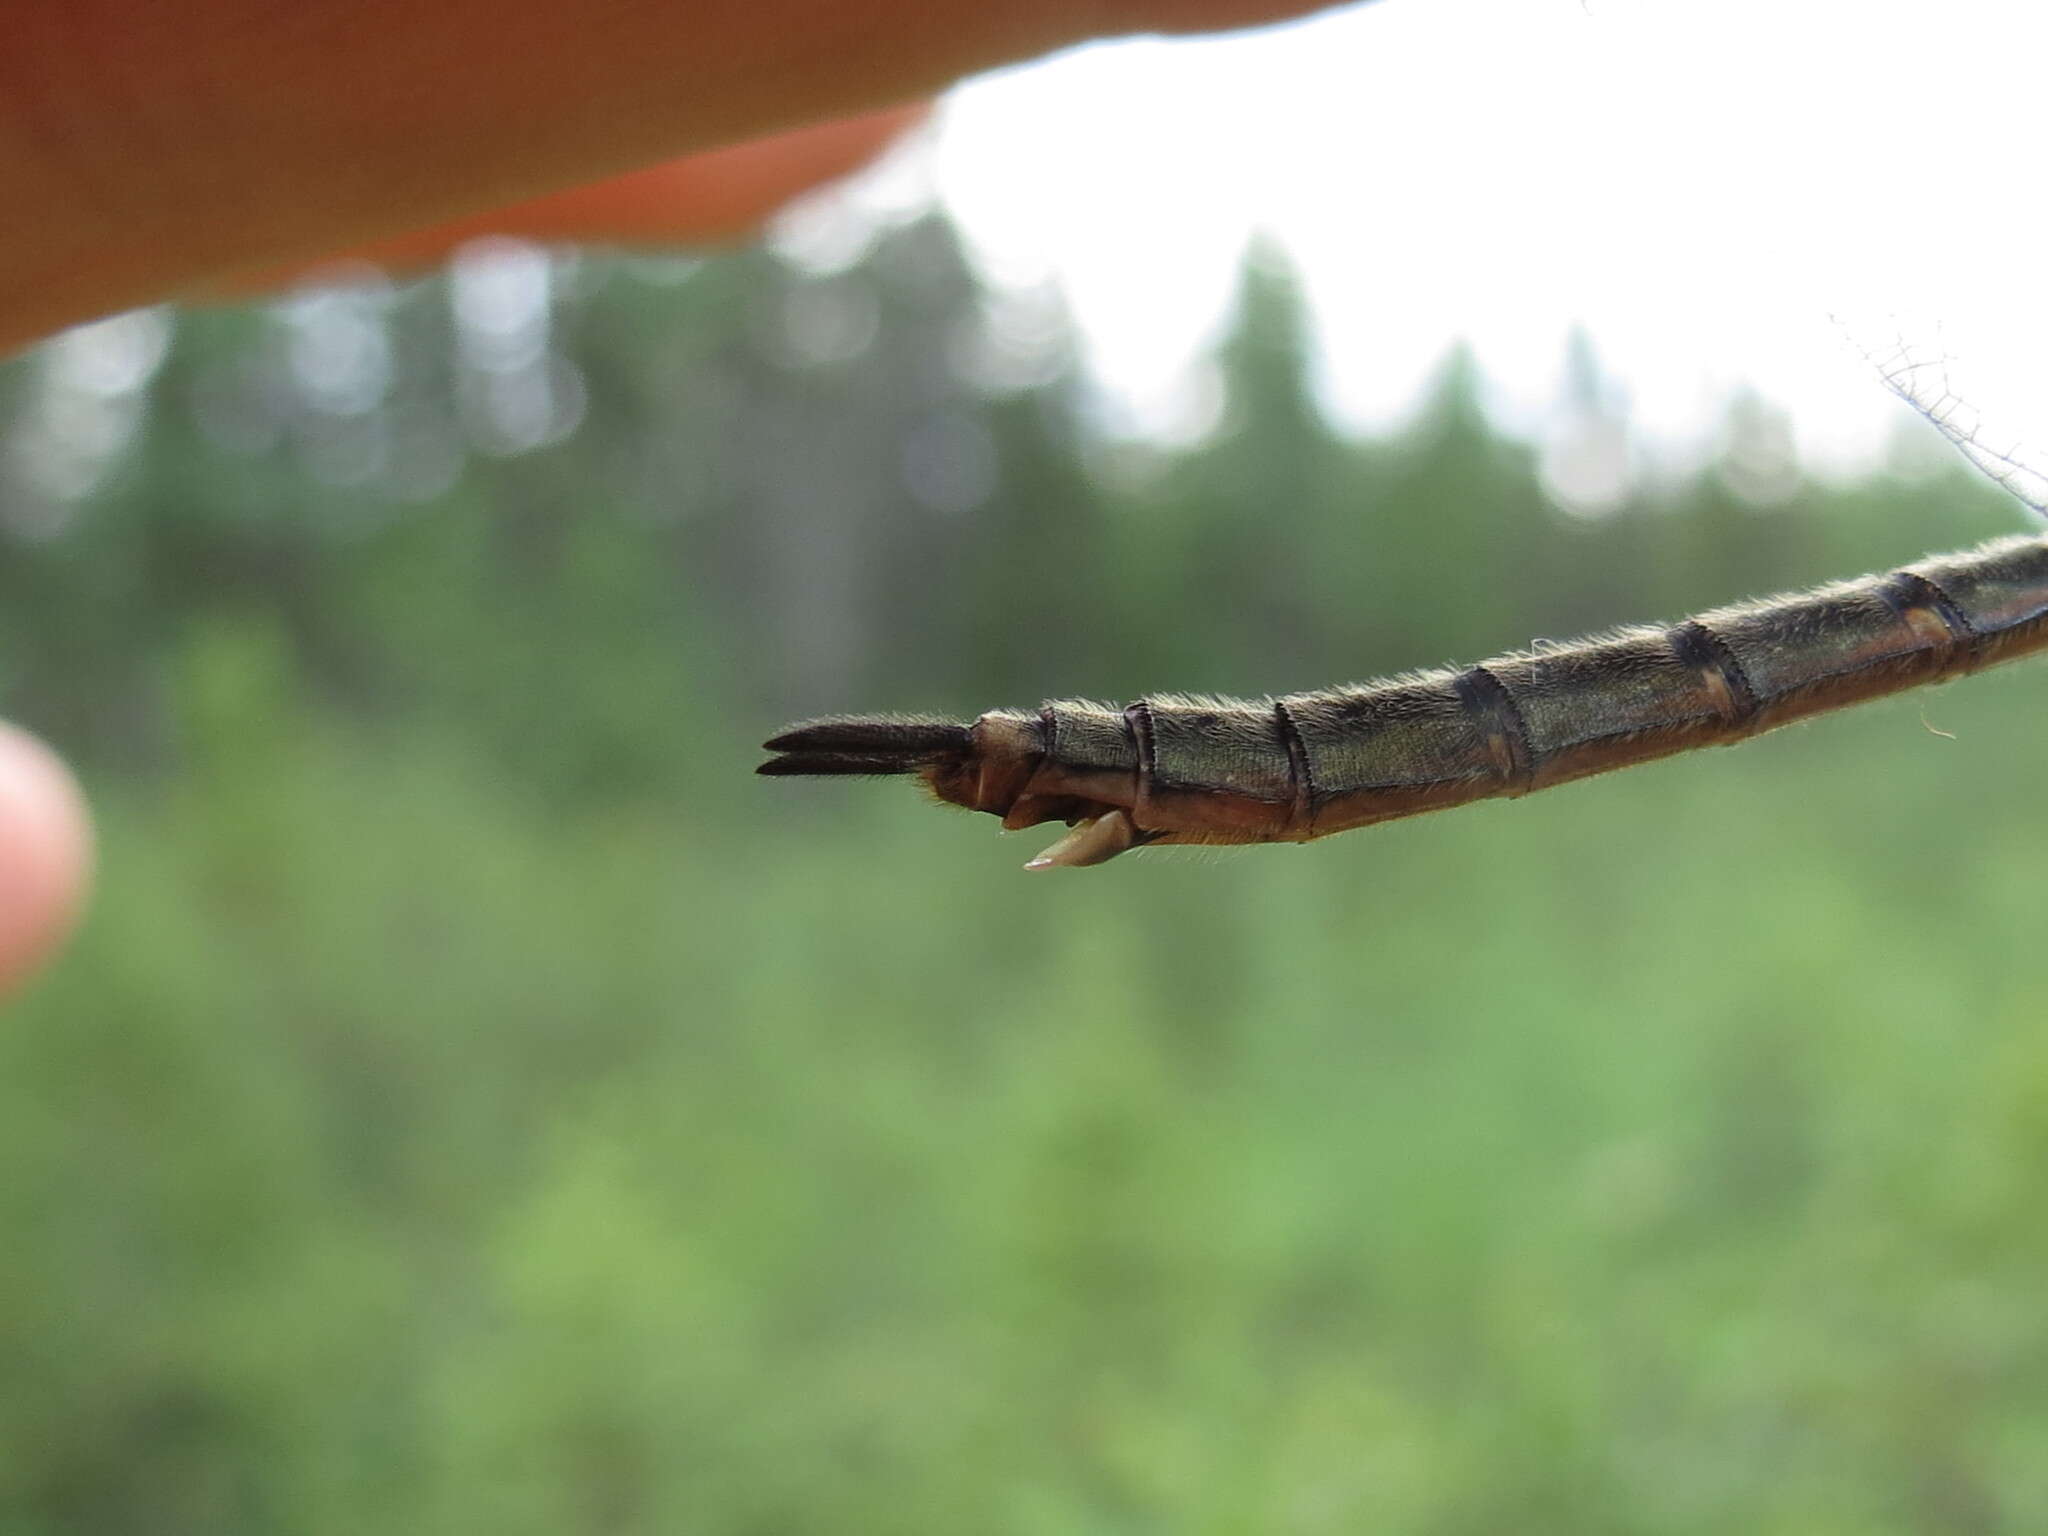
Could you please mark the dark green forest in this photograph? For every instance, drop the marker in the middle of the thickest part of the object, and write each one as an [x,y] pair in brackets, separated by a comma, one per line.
[477,1103]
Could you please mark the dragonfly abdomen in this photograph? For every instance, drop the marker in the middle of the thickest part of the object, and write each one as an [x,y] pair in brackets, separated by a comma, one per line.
[1179,769]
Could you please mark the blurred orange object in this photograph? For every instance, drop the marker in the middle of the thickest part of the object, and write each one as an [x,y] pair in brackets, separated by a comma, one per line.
[714,198]
[151,150]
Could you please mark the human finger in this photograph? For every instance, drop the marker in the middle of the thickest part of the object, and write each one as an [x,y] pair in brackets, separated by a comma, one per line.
[45,854]
[151,148]
[714,198]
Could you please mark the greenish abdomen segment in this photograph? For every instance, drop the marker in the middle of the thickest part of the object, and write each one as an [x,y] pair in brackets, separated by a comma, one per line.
[1215,763]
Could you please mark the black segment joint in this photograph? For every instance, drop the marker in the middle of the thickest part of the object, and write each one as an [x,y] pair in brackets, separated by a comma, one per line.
[1138,721]
[1908,592]
[1301,768]
[1490,706]
[1698,647]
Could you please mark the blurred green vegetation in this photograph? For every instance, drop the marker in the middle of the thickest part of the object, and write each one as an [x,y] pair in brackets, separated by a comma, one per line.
[477,1105]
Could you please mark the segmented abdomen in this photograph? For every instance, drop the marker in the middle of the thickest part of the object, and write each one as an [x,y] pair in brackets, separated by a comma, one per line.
[1174,769]
[1307,764]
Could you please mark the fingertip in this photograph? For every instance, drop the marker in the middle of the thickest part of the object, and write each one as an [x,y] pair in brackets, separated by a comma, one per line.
[45,854]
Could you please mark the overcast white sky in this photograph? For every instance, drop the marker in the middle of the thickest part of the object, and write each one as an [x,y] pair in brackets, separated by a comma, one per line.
[1698,182]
